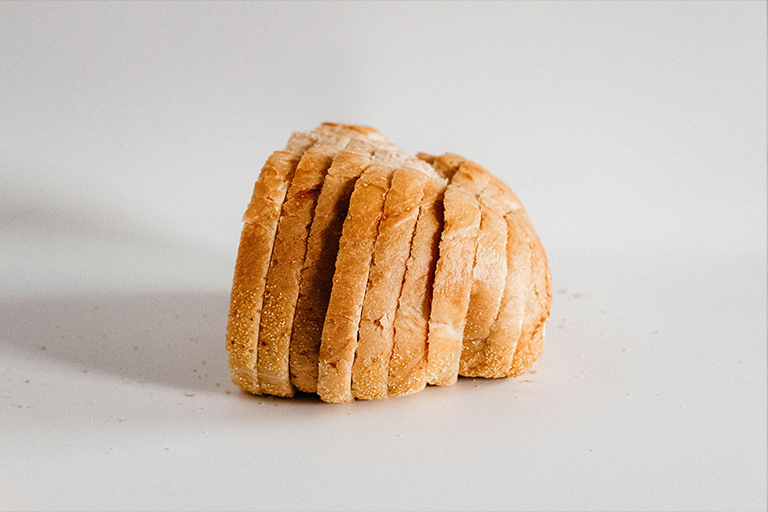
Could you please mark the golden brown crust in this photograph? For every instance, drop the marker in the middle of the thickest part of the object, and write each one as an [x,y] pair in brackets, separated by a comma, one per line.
[288,254]
[282,288]
[499,348]
[385,281]
[538,291]
[537,307]
[363,275]
[371,133]
[490,264]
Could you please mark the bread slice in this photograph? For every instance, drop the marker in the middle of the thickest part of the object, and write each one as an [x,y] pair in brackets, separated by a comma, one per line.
[282,287]
[452,285]
[254,254]
[408,363]
[385,281]
[350,284]
[488,282]
[350,279]
[499,349]
[317,272]
[538,291]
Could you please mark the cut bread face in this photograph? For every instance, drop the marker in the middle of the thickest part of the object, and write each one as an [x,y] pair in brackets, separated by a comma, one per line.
[364,272]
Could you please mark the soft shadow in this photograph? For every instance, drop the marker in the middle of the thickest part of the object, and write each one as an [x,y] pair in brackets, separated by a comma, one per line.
[174,340]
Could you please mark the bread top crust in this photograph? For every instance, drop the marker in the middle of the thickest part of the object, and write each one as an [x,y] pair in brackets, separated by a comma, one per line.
[371,133]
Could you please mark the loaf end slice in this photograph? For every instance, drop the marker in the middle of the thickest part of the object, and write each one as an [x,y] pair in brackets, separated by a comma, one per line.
[254,253]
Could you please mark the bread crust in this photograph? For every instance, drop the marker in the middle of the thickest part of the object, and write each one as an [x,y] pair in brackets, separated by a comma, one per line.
[385,280]
[530,344]
[255,251]
[362,273]
[408,363]
[489,268]
[350,278]
[370,133]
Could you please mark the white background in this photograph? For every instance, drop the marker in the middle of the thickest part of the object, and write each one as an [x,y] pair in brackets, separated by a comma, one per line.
[131,136]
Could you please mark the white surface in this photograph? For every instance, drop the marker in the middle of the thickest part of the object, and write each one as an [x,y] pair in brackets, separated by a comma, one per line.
[130,138]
